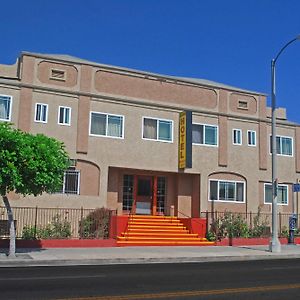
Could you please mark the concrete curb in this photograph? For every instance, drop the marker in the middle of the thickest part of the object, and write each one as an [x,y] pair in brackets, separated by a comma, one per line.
[15,262]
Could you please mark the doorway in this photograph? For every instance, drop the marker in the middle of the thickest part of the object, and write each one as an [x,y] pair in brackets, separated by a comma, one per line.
[144,195]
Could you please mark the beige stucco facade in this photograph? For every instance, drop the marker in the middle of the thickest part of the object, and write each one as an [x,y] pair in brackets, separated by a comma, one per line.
[103,161]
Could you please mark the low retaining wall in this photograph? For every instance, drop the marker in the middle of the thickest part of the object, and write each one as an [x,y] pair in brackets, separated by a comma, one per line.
[251,241]
[82,243]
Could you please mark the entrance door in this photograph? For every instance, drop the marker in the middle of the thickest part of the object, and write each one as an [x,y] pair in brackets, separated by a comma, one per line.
[144,195]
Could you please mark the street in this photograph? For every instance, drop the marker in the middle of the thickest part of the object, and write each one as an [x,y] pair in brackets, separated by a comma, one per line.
[269,279]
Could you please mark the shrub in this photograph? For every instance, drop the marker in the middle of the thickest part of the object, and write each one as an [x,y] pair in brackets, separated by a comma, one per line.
[95,224]
[230,225]
[57,229]
[260,227]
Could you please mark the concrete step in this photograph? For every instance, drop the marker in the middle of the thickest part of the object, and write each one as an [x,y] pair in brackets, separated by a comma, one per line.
[158,239]
[160,234]
[163,243]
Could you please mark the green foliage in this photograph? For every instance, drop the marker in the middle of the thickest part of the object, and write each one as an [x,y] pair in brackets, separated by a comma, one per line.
[284,232]
[95,224]
[234,225]
[260,227]
[211,236]
[30,164]
[57,229]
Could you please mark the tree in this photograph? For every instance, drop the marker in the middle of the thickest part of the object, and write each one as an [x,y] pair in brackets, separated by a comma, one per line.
[29,165]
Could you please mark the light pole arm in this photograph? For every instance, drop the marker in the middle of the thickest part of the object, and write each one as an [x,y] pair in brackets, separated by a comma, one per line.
[283,48]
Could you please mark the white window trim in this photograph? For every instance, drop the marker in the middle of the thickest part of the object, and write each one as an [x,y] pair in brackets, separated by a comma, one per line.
[227,201]
[47,107]
[78,182]
[206,145]
[107,136]
[250,145]
[241,132]
[157,130]
[64,124]
[287,194]
[283,136]
[10,108]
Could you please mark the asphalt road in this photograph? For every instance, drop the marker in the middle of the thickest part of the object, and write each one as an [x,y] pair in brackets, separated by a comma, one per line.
[270,279]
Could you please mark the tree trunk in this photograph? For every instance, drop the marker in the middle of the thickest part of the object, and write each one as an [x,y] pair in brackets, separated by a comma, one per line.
[12,232]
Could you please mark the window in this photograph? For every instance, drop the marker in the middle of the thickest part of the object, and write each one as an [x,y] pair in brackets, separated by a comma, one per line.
[71,182]
[5,107]
[205,134]
[41,112]
[231,191]
[158,130]
[242,104]
[58,74]
[64,115]
[106,125]
[284,145]
[161,194]
[128,192]
[251,138]
[237,136]
[282,194]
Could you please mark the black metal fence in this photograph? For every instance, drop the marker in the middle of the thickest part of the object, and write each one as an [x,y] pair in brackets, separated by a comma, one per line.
[251,224]
[57,223]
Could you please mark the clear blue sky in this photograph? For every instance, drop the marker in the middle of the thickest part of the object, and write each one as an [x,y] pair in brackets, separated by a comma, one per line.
[230,41]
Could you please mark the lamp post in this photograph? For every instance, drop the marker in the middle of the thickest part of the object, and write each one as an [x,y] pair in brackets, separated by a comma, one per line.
[275,245]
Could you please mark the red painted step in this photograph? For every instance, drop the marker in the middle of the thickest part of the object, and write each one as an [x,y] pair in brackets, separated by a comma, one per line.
[158,231]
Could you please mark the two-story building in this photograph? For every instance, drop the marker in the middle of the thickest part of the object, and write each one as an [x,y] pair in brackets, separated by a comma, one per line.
[121,128]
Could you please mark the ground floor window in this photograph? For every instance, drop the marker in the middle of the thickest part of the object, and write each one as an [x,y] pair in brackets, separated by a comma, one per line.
[282,194]
[231,191]
[161,194]
[71,182]
[128,192]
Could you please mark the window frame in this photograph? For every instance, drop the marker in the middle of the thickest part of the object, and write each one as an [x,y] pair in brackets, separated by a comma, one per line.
[241,135]
[63,191]
[282,185]
[157,129]
[58,115]
[251,131]
[228,201]
[47,109]
[10,107]
[106,127]
[206,145]
[282,136]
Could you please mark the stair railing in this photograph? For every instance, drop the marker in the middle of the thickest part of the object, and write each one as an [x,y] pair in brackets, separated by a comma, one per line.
[187,216]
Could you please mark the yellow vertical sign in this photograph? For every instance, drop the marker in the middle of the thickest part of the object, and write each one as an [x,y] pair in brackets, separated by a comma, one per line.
[182,141]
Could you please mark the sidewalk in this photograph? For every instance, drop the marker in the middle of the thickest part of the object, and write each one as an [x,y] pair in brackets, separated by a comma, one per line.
[137,255]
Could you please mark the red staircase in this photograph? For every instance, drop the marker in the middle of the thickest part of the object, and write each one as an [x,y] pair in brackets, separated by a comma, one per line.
[158,231]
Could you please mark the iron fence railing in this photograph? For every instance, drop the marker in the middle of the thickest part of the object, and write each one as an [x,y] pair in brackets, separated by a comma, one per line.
[50,223]
[253,220]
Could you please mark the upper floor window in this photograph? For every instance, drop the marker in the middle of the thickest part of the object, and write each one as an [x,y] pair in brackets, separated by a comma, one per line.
[158,129]
[58,74]
[242,104]
[223,190]
[237,136]
[41,113]
[5,107]
[205,134]
[282,194]
[64,115]
[251,138]
[284,145]
[108,125]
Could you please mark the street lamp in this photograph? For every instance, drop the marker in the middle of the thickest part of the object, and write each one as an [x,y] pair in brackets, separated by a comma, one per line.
[275,245]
